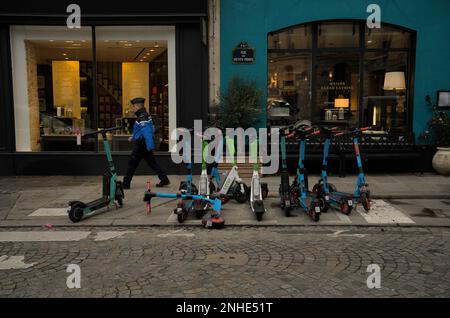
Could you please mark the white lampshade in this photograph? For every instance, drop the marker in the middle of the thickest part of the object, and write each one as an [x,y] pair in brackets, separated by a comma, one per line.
[394,80]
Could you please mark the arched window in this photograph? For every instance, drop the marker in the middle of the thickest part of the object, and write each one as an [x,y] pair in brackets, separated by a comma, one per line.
[341,73]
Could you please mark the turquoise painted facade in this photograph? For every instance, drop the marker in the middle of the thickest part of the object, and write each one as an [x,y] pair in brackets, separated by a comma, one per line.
[252,20]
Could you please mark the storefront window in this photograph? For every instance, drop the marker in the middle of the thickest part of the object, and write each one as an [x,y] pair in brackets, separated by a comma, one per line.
[337,89]
[131,66]
[385,91]
[58,96]
[294,38]
[338,34]
[53,97]
[354,81]
[289,94]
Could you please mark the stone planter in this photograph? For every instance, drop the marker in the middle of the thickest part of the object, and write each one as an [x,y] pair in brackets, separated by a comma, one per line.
[441,161]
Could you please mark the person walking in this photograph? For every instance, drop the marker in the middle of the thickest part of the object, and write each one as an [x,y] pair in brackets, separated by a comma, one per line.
[143,131]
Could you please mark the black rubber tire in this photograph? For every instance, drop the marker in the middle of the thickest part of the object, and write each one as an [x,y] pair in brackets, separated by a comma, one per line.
[199,214]
[180,218]
[365,201]
[76,213]
[345,208]
[314,215]
[241,197]
[259,217]
[324,206]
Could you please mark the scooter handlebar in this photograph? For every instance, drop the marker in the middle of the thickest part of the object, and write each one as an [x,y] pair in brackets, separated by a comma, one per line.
[102,131]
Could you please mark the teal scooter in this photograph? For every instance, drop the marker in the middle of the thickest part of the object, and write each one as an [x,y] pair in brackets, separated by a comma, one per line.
[113,193]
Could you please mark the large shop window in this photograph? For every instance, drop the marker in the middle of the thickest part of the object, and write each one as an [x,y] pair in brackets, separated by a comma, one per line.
[340,73]
[65,86]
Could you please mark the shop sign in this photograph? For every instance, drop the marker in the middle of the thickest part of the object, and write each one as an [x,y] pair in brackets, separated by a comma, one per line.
[243,54]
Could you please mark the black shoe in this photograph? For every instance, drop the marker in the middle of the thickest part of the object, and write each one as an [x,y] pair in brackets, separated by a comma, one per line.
[163,183]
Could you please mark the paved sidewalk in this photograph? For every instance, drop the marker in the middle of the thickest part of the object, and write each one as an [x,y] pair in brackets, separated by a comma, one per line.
[398,200]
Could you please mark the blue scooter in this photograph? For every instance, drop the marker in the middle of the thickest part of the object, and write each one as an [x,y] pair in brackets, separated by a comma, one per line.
[329,193]
[214,220]
[302,197]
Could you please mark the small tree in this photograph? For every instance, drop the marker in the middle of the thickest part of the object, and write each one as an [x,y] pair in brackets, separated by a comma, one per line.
[239,105]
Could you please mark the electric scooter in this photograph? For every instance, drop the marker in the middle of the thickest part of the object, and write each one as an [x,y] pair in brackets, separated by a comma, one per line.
[113,193]
[258,190]
[326,191]
[187,188]
[362,192]
[213,221]
[204,187]
[284,190]
[233,186]
[302,197]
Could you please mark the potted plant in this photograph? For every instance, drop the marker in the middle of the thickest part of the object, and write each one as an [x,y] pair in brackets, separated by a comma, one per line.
[240,104]
[439,134]
[46,126]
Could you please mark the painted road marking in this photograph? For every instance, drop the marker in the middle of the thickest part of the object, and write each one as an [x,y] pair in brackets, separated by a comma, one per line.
[50,212]
[109,235]
[177,233]
[13,262]
[382,212]
[341,234]
[38,236]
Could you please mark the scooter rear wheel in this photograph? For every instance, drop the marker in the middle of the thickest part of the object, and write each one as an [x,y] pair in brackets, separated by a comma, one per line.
[345,208]
[239,196]
[76,213]
[324,206]
[314,215]
[365,200]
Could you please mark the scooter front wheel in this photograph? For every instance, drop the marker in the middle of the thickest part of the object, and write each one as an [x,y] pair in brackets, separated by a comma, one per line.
[365,200]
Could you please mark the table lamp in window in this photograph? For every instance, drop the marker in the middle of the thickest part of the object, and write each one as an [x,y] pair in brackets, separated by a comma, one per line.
[395,81]
[341,103]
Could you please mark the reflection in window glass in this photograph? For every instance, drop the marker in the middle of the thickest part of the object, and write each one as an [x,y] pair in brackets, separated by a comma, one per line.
[289,88]
[337,89]
[385,91]
[126,69]
[294,38]
[60,101]
[338,34]
[330,92]
[387,38]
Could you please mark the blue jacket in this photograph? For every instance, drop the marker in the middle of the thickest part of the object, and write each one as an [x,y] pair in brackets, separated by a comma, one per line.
[143,128]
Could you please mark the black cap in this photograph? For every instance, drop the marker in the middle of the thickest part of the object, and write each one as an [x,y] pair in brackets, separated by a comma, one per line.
[138,100]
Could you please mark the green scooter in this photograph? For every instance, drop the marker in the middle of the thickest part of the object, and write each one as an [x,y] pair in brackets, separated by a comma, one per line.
[113,193]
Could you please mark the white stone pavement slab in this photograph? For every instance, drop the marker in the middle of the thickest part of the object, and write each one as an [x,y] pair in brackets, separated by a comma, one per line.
[382,212]
[109,235]
[50,212]
[39,236]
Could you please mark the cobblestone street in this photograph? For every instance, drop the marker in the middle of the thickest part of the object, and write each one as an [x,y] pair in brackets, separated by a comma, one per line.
[234,262]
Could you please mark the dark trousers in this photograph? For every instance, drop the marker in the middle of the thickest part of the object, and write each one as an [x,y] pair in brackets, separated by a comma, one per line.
[140,151]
